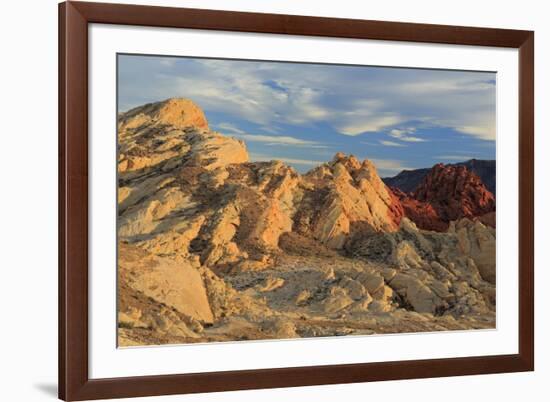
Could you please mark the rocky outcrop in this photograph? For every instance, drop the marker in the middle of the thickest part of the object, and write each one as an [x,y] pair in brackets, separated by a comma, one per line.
[455,192]
[177,112]
[477,242]
[351,196]
[171,134]
[447,193]
[174,283]
[420,212]
[435,272]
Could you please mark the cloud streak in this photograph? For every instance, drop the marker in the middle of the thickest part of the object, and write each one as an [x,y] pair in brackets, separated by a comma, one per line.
[268,139]
[391,143]
[404,135]
[272,139]
[389,166]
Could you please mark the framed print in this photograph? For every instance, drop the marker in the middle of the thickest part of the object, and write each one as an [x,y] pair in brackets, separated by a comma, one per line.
[258,200]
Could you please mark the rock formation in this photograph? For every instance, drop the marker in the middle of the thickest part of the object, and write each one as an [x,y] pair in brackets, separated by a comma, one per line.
[351,195]
[485,170]
[214,247]
[455,192]
[447,193]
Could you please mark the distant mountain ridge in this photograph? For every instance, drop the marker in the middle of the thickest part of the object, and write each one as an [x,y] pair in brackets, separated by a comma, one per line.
[409,180]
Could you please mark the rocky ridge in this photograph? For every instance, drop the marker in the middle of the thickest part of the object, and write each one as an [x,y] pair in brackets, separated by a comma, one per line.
[448,193]
[215,247]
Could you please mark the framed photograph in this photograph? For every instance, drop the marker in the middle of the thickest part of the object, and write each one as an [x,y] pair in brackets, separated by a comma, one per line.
[259,200]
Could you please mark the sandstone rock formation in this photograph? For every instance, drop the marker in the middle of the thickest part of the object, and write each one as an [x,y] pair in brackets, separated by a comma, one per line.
[455,192]
[447,193]
[352,196]
[214,247]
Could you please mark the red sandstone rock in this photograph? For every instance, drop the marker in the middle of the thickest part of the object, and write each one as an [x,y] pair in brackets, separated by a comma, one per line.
[446,194]
[421,213]
[455,192]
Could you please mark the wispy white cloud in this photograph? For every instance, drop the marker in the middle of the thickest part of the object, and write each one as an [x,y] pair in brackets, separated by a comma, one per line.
[368,123]
[388,166]
[391,143]
[267,139]
[365,116]
[479,125]
[404,134]
[272,139]
[482,132]
[464,102]
[228,127]
[462,84]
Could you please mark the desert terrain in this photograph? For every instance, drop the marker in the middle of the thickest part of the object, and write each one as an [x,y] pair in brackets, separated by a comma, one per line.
[215,247]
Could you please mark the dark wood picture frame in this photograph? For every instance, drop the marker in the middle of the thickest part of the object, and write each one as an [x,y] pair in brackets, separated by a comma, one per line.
[74,382]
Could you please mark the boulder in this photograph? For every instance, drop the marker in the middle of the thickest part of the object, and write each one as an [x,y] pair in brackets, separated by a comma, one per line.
[178,285]
[337,300]
[416,293]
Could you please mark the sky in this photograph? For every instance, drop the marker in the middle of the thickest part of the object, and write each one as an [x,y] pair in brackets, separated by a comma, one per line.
[302,114]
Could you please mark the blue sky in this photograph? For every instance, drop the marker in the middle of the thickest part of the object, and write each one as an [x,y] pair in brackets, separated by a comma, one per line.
[303,114]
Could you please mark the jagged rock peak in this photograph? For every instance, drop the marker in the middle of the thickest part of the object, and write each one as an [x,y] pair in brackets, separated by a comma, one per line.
[346,166]
[448,193]
[173,133]
[455,192]
[350,162]
[177,112]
